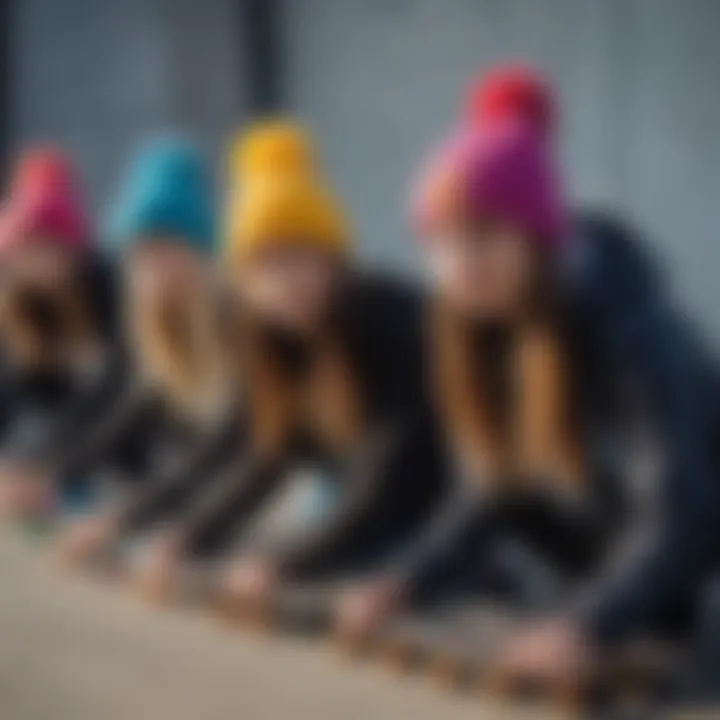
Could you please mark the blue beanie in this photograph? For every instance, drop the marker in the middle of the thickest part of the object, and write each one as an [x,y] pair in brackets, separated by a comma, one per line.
[166,193]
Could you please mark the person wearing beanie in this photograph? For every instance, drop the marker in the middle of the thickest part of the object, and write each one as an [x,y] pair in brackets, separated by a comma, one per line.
[334,380]
[183,400]
[575,334]
[58,324]
[602,244]
[44,241]
[183,409]
[491,209]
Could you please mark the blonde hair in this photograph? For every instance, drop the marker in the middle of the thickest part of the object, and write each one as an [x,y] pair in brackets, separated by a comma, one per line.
[327,401]
[186,350]
[532,434]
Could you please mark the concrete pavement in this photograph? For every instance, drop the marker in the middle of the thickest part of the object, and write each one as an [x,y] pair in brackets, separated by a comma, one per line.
[74,649]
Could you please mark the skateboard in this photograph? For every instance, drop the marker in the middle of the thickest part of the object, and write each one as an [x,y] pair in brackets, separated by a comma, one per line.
[299,609]
[453,643]
[456,646]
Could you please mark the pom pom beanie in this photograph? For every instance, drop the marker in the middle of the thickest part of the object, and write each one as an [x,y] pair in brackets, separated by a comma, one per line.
[503,172]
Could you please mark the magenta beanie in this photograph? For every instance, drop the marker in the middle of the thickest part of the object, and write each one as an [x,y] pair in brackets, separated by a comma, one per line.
[45,201]
[500,172]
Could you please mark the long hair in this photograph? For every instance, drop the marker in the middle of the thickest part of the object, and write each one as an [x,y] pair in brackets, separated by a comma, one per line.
[186,348]
[320,393]
[46,322]
[507,396]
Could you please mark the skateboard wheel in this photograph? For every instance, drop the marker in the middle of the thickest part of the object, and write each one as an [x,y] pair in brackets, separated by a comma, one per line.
[453,673]
[401,656]
[355,646]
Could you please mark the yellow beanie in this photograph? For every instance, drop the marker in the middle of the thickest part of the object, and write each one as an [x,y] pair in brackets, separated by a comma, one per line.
[271,147]
[277,194]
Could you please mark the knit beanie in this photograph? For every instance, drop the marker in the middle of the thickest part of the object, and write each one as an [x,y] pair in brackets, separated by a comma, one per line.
[272,147]
[165,194]
[277,194]
[44,203]
[512,92]
[502,172]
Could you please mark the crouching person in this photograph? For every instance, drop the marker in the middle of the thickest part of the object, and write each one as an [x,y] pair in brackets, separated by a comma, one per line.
[58,329]
[182,404]
[579,323]
[507,383]
[334,378]
[608,269]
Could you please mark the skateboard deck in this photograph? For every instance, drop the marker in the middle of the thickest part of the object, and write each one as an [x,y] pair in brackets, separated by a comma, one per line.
[454,643]
[301,609]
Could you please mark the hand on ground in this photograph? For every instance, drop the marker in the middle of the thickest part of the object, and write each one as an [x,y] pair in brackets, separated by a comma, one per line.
[250,584]
[159,572]
[362,609]
[25,493]
[84,539]
[553,656]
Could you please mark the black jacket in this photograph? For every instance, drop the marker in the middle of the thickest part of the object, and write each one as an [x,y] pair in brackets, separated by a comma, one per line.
[627,336]
[643,335]
[67,401]
[391,476]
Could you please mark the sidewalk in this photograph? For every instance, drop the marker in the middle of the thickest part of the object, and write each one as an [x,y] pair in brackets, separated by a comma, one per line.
[71,649]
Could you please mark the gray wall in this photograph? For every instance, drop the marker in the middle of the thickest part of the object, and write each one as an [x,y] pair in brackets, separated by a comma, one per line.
[379,80]
[99,75]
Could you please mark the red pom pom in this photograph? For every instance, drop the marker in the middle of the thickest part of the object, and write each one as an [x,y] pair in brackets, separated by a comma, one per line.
[512,92]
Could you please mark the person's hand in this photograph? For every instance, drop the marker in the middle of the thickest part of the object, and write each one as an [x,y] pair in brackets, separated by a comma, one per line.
[25,492]
[362,609]
[250,584]
[37,498]
[158,574]
[79,543]
[8,468]
[10,491]
[553,656]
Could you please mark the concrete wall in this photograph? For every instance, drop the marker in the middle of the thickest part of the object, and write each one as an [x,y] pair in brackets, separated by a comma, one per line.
[379,80]
[98,75]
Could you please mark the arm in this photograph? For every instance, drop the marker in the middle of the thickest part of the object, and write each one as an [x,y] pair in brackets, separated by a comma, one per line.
[133,412]
[28,396]
[458,527]
[368,476]
[682,546]
[231,498]
[382,473]
[84,406]
[168,491]
[10,405]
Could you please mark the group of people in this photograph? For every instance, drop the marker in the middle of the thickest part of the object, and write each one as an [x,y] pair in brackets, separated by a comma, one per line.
[176,374]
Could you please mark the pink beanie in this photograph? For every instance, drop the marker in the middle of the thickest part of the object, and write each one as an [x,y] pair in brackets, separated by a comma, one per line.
[503,172]
[44,202]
